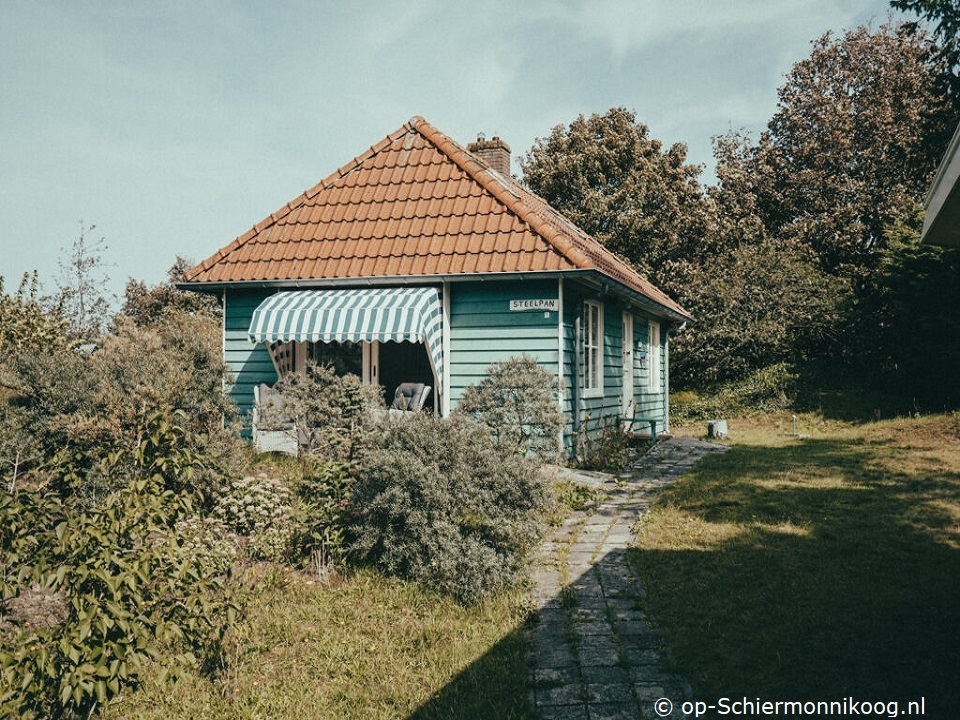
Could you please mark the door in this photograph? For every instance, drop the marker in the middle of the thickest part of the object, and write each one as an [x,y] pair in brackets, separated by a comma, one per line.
[626,402]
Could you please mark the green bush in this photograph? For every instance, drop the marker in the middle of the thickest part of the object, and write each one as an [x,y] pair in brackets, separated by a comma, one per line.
[602,445]
[438,502]
[517,403]
[326,509]
[331,412]
[130,589]
[768,389]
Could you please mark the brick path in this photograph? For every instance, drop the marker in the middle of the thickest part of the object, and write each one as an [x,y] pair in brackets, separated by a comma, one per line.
[596,654]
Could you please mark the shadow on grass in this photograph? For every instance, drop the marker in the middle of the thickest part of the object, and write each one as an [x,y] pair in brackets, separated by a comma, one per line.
[494,686]
[820,571]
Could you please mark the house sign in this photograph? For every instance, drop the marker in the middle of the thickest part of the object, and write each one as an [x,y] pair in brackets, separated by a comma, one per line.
[544,304]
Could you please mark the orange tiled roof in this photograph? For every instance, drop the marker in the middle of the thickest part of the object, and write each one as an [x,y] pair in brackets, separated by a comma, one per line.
[416,203]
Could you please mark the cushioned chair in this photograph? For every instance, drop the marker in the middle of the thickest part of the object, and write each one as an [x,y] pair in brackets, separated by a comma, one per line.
[410,397]
[268,413]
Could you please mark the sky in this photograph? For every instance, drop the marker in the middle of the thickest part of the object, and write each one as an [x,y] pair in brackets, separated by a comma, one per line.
[173,127]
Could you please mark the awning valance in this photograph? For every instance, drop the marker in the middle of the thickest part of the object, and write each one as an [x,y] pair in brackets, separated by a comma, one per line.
[354,315]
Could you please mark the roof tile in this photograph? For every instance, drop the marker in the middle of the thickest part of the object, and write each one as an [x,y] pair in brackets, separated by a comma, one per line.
[415,202]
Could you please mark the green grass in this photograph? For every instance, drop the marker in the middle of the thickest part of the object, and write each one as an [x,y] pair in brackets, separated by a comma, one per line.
[815,568]
[359,646]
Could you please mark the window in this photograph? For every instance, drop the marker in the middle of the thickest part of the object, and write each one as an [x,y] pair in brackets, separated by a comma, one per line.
[593,348]
[653,356]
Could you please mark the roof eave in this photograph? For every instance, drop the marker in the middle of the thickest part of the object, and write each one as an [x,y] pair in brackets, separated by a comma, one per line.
[941,224]
[592,277]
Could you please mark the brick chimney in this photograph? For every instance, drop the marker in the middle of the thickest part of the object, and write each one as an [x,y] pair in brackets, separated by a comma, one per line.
[495,153]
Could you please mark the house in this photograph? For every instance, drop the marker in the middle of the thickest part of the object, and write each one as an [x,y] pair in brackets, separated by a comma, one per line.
[422,261]
[941,224]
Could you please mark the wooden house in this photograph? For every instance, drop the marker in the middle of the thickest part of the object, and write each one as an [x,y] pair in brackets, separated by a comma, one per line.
[422,261]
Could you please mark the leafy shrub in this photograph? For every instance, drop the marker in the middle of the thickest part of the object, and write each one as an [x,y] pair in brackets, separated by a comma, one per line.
[765,390]
[604,446]
[438,502]
[131,588]
[24,323]
[517,403]
[576,496]
[331,411]
[326,508]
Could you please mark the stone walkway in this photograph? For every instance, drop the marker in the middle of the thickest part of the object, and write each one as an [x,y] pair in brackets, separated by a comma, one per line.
[596,653]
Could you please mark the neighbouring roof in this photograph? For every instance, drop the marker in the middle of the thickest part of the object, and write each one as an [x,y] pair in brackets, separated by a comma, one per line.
[941,225]
[415,204]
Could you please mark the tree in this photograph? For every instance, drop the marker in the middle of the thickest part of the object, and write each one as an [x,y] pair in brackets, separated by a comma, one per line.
[860,127]
[82,298]
[617,183]
[756,305]
[146,306]
[944,16]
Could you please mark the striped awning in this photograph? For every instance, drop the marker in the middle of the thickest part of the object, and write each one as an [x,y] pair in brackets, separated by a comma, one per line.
[354,315]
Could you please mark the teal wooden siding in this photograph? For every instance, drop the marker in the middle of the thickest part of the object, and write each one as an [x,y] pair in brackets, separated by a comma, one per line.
[249,364]
[483,329]
[593,410]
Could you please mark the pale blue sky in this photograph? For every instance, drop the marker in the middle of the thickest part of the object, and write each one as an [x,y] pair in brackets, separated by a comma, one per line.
[175,126]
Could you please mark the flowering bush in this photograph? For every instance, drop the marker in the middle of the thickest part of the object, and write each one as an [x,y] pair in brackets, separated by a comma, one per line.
[259,507]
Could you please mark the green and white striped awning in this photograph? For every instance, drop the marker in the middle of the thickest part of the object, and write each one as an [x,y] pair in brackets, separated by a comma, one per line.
[354,315]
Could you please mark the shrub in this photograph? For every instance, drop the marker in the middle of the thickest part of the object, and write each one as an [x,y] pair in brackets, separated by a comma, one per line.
[331,411]
[326,509]
[438,502]
[604,447]
[517,403]
[126,584]
[258,507]
[765,390]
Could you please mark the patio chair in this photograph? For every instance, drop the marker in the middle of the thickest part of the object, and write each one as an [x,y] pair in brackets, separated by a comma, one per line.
[275,432]
[410,397]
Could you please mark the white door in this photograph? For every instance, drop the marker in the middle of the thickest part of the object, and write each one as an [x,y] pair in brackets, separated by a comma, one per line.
[626,402]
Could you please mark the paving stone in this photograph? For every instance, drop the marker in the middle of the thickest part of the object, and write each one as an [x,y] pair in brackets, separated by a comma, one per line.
[555,677]
[564,712]
[608,693]
[598,656]
[555,656]
[606,674]
[591,547]
[613,711]
[641,657]
[568,694]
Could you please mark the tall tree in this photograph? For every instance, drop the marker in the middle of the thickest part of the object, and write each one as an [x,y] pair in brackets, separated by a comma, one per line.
[82,297]
[944,18]
[613,180]
[859,129]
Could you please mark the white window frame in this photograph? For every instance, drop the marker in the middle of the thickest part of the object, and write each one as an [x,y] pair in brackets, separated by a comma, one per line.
[653,357]
[592,348]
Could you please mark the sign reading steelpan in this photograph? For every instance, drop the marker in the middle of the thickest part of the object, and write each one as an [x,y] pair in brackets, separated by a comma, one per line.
[542,305]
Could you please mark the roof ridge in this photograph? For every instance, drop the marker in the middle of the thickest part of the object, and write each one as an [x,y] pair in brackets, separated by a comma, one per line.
[298,201]
[470,164]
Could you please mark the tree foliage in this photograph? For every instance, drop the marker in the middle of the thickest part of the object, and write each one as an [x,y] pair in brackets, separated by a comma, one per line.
[82,297]
[148,305]
[944,18]
[517,402]
[859,128]
[607,175]
[25,324]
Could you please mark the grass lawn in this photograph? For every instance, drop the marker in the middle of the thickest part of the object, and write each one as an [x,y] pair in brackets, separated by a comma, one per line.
[361,646]
[817,568]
